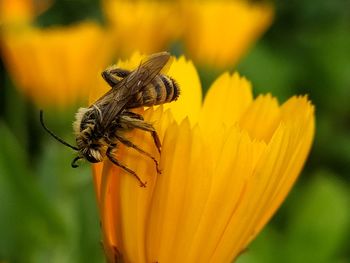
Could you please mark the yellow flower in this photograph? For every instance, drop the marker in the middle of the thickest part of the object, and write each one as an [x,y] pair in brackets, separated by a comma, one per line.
[227,164]
[147,26]
[56,66]
[21,11]
[218,33]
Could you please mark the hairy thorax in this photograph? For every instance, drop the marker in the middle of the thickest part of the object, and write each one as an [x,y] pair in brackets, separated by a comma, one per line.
[91,144]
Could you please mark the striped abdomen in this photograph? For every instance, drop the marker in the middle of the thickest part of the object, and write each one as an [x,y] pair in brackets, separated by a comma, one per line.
[162,89]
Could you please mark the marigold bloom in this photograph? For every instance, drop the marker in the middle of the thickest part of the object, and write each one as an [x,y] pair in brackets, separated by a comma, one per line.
[147,26]
[21,11]
[218,33]
[58,65]
[227,165]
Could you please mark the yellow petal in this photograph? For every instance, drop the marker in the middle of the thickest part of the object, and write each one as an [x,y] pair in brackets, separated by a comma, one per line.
[126,202]
[194,198]
[261,118]
[272,179]
[185,74]
[168,193]
[226,100]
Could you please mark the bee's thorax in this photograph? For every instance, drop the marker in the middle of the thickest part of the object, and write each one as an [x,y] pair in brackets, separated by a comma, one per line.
[79,117]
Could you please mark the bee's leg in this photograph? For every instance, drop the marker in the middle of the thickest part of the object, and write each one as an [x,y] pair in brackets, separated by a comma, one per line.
[113,76]
[118,257]
[137,122]
[133,115]
[148,127]
[121,73]
[109,78]
[132,145]
[128,170]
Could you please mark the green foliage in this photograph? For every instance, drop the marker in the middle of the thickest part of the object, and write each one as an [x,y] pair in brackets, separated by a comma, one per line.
[319,219]
[65,12]
[48,213]
[316,226]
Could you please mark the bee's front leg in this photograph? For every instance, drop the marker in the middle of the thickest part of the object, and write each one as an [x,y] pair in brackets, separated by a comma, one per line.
[117,163]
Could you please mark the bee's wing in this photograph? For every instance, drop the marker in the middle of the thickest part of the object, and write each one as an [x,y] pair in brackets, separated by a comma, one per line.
[115,99]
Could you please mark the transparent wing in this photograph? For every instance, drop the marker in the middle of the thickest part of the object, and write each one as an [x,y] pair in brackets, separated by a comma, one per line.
[114,101]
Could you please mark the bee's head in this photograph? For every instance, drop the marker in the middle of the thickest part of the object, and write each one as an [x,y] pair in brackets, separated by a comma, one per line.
[104,74]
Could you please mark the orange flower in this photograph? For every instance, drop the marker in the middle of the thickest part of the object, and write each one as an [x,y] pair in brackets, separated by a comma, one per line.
[56,66]
[147,26]
[227,165]
[21,11]
[218,33]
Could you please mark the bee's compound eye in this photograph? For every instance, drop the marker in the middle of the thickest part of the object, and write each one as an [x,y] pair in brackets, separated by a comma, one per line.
[104,75]
[92,159]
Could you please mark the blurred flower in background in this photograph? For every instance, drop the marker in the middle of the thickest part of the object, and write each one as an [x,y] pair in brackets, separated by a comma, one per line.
[21,11]
[146,26]
[223,175]
[56,66]
[218,33]
[215,33]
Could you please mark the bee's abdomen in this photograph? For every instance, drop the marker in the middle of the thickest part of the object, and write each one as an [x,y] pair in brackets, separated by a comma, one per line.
[171,89]
[162,89]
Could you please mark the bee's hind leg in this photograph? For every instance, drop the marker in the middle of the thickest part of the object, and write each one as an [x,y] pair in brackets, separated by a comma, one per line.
[133,115]
[113,76]
[132,145]
[121,73]
[128,170]
[135,121]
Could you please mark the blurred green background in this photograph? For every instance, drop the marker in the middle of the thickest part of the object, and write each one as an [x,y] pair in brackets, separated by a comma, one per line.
[48,211]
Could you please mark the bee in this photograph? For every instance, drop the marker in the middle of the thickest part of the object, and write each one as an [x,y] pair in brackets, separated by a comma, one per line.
[102,126]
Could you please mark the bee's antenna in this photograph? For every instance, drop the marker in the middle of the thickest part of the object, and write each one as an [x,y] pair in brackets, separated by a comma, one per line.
[73,164]
[54,135]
